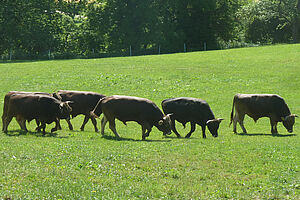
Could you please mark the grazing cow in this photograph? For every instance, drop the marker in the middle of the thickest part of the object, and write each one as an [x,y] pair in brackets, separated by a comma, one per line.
[261,105]
[28,106]
[127,108]
[83,103]
[195,111]
[6,101]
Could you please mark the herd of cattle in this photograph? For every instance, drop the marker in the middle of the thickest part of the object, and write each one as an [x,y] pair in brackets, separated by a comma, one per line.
[46,108]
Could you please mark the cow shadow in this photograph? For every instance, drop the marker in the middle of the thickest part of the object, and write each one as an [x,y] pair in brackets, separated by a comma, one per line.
[180,138]
[266,134]
[110,137]
[16,133]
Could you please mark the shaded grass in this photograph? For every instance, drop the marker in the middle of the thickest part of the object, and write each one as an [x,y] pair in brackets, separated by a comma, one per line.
[74,164]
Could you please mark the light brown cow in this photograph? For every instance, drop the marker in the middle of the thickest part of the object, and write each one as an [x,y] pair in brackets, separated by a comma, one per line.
[262,105]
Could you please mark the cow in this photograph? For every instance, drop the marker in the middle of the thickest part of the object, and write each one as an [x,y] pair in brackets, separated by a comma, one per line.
[193,110]
[83,103]
[129,108]
[261,105]
[9,94]
[26,107]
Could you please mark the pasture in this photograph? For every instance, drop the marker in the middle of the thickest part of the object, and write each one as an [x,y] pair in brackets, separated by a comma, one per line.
[85,165]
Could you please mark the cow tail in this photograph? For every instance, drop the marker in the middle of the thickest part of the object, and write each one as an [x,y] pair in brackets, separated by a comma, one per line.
[5,106]
[98,106]
[232,111]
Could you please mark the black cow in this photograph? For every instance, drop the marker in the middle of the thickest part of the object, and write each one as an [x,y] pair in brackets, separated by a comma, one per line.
[127,108]
[195,111]
[44,108]
[261,105]
[83,103]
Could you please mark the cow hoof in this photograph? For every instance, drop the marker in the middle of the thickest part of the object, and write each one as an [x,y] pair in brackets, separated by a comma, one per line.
[81,129]
[187,136]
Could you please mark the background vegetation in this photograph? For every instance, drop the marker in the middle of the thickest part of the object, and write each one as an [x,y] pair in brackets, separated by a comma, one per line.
[48,29]
[85,165]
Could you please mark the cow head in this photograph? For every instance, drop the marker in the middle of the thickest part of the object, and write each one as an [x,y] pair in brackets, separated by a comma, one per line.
[65,109]
[288,122]
[213,126]
[164,124]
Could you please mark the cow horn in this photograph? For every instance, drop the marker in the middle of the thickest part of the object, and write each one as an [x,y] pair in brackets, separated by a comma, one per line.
[170,114]
[294,115]
[211,120]
[220,119]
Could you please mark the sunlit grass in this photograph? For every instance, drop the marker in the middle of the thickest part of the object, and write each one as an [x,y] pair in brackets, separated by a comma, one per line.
[78,165]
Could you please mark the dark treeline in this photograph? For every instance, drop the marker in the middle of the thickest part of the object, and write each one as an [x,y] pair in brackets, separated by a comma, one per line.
[43,29]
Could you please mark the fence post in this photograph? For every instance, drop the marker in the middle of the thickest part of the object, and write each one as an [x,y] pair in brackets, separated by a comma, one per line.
[158,49]
[130,52]
[204,46]
[10,54]
[49,54]
[184,47]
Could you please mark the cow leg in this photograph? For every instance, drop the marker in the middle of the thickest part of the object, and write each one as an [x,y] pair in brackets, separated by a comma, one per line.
[37,123]
[203,131]
[23,124]
[112,126]
[241,122]
[3,123]
[103,123]
[43,126]
[86,119]
[235,119]
[273,126]
[174,128]
[94,121]
[7,120]
[57,124]
[193,128]
[69,124]
[20,123]
[146,129]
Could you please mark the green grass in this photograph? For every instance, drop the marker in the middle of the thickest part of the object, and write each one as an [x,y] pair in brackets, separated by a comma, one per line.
[85,165]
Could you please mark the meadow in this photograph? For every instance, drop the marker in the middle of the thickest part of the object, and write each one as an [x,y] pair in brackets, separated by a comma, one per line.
[87,165]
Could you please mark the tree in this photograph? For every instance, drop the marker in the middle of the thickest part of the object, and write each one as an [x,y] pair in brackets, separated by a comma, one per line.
[272,21]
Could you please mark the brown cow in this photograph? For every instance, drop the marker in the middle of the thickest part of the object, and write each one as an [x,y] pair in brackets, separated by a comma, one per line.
[6,101]
[45,108]
[262,105]
[127,108]
[83,103]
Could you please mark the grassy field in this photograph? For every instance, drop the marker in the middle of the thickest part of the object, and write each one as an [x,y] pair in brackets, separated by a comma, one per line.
[85,165]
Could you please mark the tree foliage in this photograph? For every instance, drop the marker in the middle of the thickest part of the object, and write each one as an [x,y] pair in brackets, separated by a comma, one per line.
[69,28]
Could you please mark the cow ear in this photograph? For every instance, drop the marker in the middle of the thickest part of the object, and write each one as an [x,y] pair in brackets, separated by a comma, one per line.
[160,122]
[282,118]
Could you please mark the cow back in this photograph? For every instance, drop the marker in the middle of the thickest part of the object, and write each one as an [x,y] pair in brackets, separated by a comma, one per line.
[126,108]
[187,109]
